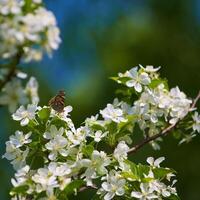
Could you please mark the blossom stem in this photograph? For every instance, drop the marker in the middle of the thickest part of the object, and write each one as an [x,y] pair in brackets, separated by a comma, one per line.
[12,70]
[195,101]
[164,132]
[88,187]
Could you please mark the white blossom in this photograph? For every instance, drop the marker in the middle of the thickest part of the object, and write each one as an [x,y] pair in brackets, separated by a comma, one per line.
[46,180]
[25,115]
[121,151]
[32,90]
[98,135]
[114,185]
[37,1]
[179,105]
[53,132]
[78,136]
[10,7]
[17,156]
[96,166]
[13,94]
[57,145]
[159,187]
[20,176]
[137,79]
[145,194]
[114,114]
[155,163]
[19,139]
[36,28]
[196,124]
[150,68]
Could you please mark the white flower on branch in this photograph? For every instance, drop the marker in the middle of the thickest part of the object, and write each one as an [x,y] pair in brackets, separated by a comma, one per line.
[95,167]
[78,136]
[196,124]
[137,79]
[98,135]
[37,28]
[17,156]
[114,185]
[121,151]
[37,1]
[19,139]
[53,132]
[179,106]
[20,176]
[46,179]
[25,115]
[150,68]
[32,90]
[57,145]
[159,187]
[145,194]
[155,163]
[114,114]
[13,94]
[10,7]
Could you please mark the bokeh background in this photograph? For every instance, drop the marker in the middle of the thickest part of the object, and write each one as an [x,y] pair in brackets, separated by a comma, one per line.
[103,37]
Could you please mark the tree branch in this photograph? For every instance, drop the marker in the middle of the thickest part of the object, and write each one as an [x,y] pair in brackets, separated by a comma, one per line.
[162,133]
[12,69]
[88,187]
[195,101]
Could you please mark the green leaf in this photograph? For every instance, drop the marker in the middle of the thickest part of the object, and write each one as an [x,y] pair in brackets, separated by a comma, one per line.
[19,190]
[173,197]
[154,83]
[59,123]
[88,150]
[130,121]
[44,114]
[121,80]
[134,169]
[143,169]
[177,134]
[138,170]
[74,185]
[161,173]
[129,175]
[96,197]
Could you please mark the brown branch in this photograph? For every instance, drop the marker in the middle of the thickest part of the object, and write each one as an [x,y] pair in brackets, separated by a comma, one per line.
[162,133]
[88,187]
[195,101]
[12,69]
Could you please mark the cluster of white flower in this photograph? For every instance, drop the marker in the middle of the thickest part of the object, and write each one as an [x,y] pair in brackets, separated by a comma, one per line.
[159,103]
[67,156]
[13,94]
[28,26]
[15,150]
[154,188]
[148,187]
[156,105]
[71,157]
[138,79]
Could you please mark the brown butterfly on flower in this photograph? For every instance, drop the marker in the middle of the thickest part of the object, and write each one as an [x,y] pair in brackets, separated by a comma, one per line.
[58,102]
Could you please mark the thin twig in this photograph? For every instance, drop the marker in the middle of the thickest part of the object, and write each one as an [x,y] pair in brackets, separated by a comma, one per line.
[88,187]
[162,133]
[195,101]
[12,70]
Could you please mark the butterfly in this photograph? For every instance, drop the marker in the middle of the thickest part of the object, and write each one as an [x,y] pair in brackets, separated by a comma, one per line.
[58,102]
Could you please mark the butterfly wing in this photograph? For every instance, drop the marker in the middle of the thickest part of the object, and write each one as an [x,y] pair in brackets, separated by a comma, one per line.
[58,102]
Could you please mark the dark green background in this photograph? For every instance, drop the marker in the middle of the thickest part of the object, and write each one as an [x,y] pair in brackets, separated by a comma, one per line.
[104,37]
